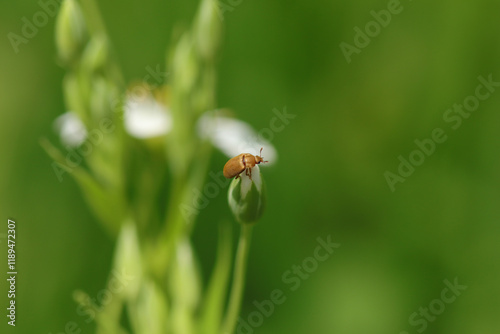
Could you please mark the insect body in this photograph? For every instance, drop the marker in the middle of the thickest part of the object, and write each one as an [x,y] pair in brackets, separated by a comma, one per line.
[243,162]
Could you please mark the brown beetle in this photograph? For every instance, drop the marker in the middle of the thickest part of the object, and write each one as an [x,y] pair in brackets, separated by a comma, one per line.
[243,162]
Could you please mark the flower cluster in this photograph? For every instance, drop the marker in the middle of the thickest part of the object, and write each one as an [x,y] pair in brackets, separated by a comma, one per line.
[137,158]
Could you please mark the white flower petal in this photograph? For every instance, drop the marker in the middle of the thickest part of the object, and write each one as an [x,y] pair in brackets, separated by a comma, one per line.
[71,129]
[146,118]
[234,137]
[246,181]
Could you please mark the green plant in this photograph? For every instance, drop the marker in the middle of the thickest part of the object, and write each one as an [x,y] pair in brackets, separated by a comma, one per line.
[142,184]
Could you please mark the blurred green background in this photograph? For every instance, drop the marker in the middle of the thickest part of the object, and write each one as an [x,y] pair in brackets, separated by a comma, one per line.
[352,122]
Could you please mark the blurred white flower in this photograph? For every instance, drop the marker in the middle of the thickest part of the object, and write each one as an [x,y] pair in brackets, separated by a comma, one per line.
[146,118]
[234,137]
[71,129]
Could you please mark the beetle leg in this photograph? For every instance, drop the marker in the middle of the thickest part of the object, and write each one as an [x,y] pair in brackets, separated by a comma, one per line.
[250,173]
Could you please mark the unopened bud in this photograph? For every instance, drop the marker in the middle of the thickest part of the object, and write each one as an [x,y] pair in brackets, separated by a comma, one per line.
[247,196]
[71,31]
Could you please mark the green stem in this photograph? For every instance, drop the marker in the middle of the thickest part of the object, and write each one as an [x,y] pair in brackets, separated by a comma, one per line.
[178,224]
[236,294]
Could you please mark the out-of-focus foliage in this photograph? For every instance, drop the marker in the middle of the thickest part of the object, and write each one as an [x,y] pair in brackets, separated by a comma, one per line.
[352,122]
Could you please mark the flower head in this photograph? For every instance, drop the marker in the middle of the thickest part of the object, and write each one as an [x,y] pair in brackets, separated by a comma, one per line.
[233,136]
[145,117]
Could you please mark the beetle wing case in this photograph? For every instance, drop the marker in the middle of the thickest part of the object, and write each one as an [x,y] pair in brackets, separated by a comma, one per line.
[234,167]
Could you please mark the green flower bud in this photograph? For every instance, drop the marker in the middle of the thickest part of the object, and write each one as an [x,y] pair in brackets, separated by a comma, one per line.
[96,54]
[103,93]
[151,308]
[247,197]
[71,31]
[185,66]
[127,259]
[75,98]
[207,29]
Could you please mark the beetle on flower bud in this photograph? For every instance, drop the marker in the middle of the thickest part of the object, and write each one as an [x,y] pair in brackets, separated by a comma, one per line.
[247,197]
[243,162]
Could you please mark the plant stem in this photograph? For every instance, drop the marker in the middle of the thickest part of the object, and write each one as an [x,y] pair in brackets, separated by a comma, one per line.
[236,294]
[178,224]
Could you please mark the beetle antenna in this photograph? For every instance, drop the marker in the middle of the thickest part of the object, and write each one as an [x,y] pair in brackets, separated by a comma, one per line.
[261,155]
